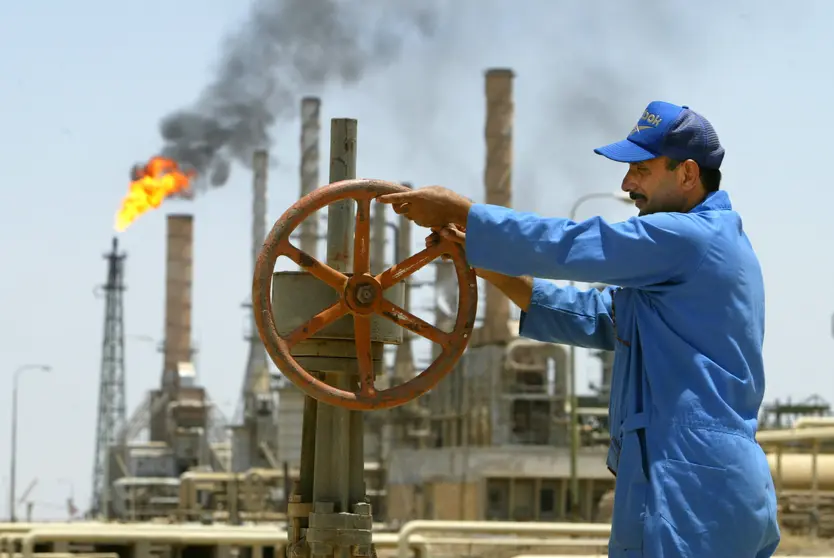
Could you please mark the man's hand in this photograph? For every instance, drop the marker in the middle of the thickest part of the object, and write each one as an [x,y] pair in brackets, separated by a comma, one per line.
[517,289]
[456,234]
[432,206]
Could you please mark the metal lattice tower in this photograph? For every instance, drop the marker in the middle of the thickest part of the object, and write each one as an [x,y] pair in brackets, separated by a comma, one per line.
[111,398]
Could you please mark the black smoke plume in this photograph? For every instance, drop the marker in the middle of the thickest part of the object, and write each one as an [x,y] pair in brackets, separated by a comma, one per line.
[284,50]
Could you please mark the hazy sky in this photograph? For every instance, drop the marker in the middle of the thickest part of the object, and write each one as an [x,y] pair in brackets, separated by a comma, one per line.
[85,84]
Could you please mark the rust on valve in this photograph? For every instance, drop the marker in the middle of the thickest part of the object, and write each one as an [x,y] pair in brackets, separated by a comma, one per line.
[361,295]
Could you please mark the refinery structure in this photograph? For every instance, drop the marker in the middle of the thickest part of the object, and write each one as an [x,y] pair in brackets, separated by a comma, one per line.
[503,437]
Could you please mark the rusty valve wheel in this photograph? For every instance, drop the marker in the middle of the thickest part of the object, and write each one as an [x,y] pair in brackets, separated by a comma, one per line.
[360,294]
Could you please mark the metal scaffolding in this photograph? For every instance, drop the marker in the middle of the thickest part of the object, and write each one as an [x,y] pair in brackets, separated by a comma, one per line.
[111,398]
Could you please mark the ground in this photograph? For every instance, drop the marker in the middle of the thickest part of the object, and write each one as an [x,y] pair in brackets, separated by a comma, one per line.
[803,546]
[791,545]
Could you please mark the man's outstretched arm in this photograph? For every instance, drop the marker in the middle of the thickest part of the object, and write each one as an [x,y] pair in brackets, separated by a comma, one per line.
[639,252]
[559,314]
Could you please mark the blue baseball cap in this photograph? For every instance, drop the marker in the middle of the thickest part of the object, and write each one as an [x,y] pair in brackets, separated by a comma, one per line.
[677,132]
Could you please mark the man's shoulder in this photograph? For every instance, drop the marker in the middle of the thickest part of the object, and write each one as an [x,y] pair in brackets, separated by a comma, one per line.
[697,230]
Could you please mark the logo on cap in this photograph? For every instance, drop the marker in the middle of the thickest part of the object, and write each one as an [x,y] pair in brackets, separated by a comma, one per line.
[648,120]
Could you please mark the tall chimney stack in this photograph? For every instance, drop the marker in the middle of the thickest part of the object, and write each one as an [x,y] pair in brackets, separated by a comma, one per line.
[256,360]
[309,169]
[178,282]
[498,183]
[260,162]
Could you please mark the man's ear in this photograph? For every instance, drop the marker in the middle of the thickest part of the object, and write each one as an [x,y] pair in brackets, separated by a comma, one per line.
[690,174]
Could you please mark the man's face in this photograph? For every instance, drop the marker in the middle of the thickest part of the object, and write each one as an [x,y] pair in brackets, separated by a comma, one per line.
[654,188]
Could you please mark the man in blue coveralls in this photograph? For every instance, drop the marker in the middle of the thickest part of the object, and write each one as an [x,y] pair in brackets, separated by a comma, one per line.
[684,315]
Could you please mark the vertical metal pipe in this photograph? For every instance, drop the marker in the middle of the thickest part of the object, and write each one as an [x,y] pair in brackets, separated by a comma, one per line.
[815,489]
[338,432]
[378,239]
[310,169]
[778,479]
[445,288]
[308,448]
[13,456]
[574,432]
[404,357]
[498,183]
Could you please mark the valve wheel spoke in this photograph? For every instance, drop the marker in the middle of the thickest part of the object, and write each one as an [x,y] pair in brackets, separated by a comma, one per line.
[319,270]
[412,264]
[316,324]
[362,237]
[364,357]
[409,321]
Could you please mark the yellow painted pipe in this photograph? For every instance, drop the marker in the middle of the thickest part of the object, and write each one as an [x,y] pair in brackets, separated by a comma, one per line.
[797,470]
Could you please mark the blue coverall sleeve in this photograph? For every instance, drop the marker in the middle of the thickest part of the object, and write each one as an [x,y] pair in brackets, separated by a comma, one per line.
[569,316]
[639,252]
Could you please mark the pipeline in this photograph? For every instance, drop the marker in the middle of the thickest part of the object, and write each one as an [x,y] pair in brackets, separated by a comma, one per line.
[805,434]
[406,541]
[796,470]
[805,422]
[411,528]
[255,536]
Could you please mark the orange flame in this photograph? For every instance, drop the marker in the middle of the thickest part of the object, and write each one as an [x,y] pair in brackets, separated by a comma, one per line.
[159,179]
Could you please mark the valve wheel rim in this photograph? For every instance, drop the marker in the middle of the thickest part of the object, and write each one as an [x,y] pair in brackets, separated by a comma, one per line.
[360,295]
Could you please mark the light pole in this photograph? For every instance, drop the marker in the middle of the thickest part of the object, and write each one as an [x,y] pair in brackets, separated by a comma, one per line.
[13,474]
[71,499]
[574,400]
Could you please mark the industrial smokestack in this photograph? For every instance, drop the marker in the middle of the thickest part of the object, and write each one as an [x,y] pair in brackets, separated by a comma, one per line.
[260,162]
[498,183]
[256,360]
[257,354]
[178,282]
[310,169]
